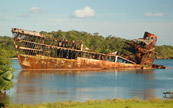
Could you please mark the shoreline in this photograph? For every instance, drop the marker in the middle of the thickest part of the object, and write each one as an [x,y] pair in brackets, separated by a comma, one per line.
[14,58]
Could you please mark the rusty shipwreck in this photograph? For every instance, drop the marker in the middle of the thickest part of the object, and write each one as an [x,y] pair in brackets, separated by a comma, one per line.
[35,51]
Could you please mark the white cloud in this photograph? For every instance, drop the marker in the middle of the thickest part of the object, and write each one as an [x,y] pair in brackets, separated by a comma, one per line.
[86,12]
[36,10]
[153,14]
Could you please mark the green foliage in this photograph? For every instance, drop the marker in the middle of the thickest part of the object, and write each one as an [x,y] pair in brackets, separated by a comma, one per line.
[115,103]
[7,44]
[5,71]
[164,52]
[4,62]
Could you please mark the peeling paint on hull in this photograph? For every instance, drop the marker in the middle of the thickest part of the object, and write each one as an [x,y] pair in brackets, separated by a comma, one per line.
[44,62]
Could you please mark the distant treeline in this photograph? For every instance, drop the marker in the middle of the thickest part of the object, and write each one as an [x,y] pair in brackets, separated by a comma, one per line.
[6,43]
[164,52]
[94,42]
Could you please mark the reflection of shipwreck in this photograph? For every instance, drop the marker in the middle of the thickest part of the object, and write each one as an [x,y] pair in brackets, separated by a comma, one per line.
[35,51]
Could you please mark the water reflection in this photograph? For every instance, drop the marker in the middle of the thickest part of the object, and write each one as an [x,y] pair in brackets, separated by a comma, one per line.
[40,86]
[137,83]
[149,92]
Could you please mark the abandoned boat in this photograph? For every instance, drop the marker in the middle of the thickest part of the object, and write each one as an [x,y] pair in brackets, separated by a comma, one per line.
[36,51]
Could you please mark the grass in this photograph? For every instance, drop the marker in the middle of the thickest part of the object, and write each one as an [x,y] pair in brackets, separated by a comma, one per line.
[115,103]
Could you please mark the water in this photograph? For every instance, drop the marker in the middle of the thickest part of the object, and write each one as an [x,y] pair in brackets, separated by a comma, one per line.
[34,87]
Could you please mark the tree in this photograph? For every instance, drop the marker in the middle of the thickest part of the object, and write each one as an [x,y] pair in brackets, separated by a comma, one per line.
[7,44]
[6,74]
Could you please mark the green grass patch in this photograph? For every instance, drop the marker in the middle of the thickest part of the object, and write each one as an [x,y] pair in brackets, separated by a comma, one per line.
[115,103]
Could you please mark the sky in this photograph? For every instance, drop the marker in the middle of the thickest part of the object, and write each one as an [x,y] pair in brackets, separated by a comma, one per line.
[121,18]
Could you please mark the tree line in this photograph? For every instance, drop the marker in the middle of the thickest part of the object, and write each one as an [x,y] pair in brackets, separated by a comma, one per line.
[94,42]
[5,70]
[6,43]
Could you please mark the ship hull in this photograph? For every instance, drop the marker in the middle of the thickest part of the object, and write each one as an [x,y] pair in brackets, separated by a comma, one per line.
[44,62]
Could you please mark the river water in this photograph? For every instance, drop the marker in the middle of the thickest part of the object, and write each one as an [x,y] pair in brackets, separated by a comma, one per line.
[34,87]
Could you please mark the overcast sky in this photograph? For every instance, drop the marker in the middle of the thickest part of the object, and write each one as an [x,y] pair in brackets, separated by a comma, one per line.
[122,18]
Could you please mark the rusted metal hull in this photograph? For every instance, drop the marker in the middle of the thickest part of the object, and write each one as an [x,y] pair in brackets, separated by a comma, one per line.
[44,62]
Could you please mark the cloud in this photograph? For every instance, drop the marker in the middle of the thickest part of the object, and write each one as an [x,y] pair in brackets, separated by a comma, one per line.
[86,12]
[153,14]
[36,10]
